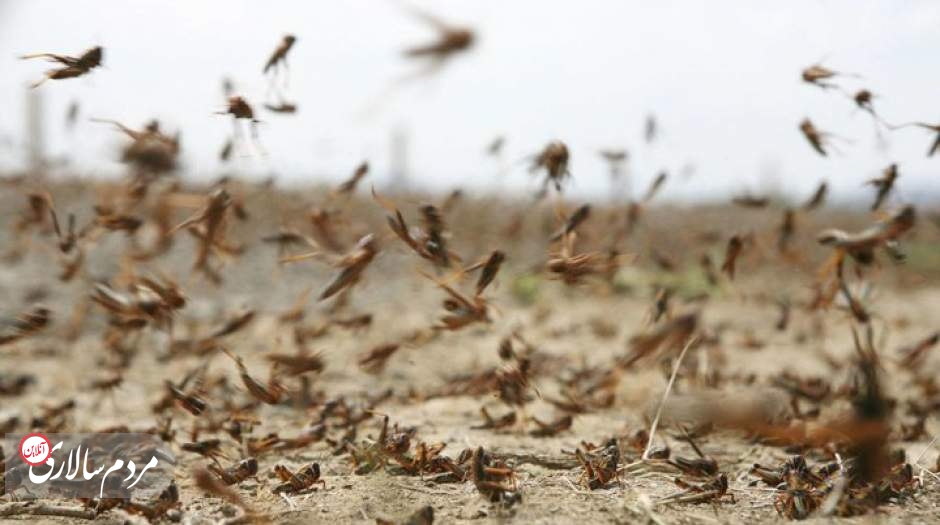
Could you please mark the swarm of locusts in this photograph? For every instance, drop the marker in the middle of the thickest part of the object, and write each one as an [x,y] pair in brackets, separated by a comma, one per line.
[474,354]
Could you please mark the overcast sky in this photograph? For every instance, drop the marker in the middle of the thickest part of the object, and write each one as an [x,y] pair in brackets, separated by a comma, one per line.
[722,77]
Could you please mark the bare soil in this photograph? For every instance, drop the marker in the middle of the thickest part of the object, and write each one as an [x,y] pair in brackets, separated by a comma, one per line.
[558,320]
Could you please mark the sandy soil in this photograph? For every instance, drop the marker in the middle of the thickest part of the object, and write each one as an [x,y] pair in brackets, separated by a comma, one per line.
[558,321]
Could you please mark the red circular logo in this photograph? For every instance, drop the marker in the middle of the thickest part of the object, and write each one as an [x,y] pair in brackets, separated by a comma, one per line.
[35,449]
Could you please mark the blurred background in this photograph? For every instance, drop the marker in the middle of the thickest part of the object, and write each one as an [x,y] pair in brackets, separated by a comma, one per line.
[721,78]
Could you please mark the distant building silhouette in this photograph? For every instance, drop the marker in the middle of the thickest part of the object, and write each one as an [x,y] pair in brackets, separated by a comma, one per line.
[35,133]
[398,161]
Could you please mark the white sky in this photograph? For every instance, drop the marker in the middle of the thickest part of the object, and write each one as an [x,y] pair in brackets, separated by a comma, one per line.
[721,76]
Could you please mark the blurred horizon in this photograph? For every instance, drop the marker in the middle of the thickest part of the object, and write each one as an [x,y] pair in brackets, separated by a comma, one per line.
[721,78]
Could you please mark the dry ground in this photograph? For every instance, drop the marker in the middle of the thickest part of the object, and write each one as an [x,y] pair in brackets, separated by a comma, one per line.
[556,319]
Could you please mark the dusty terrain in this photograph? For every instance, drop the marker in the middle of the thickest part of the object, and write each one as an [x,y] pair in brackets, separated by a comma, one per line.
[583,326]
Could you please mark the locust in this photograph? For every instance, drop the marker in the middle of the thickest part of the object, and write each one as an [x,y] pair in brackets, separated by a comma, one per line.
[271,394]
[282,107]
[587,390]
[863,100]
[71,66]
[210,484]
[71,115]
[24,325]
[655,186]
[702,466]
[554,159]
[819,75]
[14,385]
[356,322]
[451,201]
[816,138]
[883,185]
[240,109]
[391,444]
[507,420]
[374,361]
[237,473]
[53,416]
[772,477]
[579,216]
[36,213]
[349,186]
[233,324]
[495,147]
[190,402]
[428,459]
[784,320]
[108,219]
[279,56]
[650,128]
[750,201]
[551,428]
[732,251]
[324,223]
[286,238]
[351,266]
[435,244]
[661,305]
[708,268]
[209,448]
[934,128]
[71,263]
[452,40]
[297,364]
[107,383]
[429,244]
[225,152]
[505,349]
[572,268]
[150,300]
[490,268]
[670,335]
[600,467]
[818,198]
[208,226]
[662,261]
[692,493]
[800,495]
[786,230]
[512,382]
[861,246]
[912,356]
[150,149]
[496,482]
[181,394]
[462,310]
[68,238]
